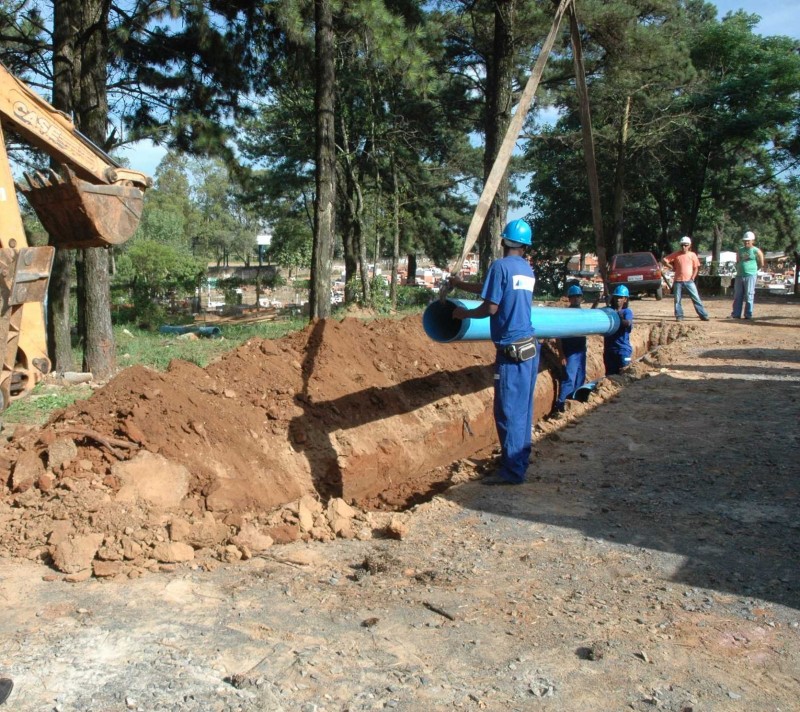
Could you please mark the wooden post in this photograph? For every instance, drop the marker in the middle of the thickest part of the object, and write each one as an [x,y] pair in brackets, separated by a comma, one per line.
[510,140]
[588,145]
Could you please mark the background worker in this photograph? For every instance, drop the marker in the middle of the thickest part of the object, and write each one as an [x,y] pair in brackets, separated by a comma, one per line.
[686,266]
[507,295]
[617,349]
[749,259]
[572,351]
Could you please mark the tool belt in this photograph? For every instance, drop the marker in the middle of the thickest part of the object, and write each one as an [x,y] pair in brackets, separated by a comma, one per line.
[522,350]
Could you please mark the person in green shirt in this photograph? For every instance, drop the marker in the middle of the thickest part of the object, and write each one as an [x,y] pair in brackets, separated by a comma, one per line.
[749,259]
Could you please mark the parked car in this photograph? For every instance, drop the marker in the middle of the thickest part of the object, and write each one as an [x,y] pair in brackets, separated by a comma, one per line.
[638,271]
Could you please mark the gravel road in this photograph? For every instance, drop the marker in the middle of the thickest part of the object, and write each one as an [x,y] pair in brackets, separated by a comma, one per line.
[651,562]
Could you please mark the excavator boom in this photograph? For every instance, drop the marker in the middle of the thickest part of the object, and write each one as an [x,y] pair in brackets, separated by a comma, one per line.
[88,200]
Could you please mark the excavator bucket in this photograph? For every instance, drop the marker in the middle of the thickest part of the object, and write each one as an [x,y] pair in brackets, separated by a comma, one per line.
[77,214]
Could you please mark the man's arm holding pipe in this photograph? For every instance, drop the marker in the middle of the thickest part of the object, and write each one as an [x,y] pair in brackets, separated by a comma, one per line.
[484,309]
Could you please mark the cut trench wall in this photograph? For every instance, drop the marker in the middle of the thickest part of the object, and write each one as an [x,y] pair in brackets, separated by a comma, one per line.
[463,425]
[343,408]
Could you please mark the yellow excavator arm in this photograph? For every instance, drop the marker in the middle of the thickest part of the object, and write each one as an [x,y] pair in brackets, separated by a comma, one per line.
[90,201]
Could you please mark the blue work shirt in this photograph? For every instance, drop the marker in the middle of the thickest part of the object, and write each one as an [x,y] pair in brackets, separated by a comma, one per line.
[509,284]
[620,340]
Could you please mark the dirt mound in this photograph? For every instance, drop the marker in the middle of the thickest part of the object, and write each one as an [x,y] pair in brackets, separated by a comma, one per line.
[196,456]
[267,444]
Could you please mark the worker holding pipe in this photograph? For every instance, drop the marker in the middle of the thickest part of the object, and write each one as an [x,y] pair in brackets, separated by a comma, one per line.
[617,349]
[572,351]
[507,295]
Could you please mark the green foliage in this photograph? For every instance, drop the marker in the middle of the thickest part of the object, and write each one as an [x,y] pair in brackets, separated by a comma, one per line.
[273,279]
[156,273]
[379,295]
[411,296]
[709,131]
[230,289]
[291,243]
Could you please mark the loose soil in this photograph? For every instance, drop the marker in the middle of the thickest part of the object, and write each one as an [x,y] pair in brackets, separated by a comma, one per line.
[650,562]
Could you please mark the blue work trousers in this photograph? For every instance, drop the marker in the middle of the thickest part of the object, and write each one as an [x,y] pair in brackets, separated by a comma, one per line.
[744,292]
[615,361]
[514,384]
[573,378]
[678,288]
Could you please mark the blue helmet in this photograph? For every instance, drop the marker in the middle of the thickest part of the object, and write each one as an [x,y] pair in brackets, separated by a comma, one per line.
[518,231]
[621,291]
[575,291]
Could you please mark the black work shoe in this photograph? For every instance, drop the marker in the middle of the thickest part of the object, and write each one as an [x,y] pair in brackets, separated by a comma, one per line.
[705,318]
[497,480]
[6,686]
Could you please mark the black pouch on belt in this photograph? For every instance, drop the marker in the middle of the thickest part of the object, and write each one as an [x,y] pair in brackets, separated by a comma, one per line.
[522,350]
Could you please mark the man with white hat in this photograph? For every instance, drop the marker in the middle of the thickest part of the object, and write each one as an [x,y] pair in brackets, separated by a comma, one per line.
[686,266]
[749,259]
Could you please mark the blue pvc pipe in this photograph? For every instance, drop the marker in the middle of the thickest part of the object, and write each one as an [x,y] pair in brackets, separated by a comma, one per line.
[211,332]
[548,322]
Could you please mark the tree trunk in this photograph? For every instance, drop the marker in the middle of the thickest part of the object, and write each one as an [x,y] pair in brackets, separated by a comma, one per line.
[500,74]
[619,178]
[663,221]
[58,292]
[697,198]
[363,268]
[350,264]
[716,248]
[361,243]
[324,205]
[354,205]
[797,273]
[395,234]
[99,356]
[59,337]
[92,117]
[411,277]
[588,144]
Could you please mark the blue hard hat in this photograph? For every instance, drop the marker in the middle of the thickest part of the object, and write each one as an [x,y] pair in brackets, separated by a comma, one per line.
[518,231]
[575,291]
[621,291]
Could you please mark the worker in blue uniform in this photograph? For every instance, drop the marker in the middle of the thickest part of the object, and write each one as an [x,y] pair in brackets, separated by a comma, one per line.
[507,295]
[617,349]
[573,356]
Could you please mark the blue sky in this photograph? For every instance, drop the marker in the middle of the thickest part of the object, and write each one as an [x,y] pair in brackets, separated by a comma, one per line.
[778,17]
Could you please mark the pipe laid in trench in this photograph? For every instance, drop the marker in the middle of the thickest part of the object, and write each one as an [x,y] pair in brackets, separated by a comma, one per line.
[548,322]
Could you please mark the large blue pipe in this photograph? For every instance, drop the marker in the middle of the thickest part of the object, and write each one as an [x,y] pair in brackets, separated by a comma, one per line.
[211,332]
[549,322]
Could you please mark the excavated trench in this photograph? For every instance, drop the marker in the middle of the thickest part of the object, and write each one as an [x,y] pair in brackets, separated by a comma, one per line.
[271,443]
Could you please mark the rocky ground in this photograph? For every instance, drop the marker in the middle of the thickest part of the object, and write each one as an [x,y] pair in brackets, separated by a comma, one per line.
[652,561]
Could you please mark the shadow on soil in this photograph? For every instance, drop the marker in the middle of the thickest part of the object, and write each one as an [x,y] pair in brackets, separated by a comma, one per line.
[706,470]
[312,430]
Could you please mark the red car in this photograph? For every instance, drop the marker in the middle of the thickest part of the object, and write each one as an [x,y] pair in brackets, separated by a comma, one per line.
[638,271]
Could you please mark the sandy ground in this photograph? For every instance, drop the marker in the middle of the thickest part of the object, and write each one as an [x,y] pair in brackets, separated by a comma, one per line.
[652,561]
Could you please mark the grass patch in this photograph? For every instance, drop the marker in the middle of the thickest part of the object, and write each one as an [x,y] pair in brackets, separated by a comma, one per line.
[36,407]
[137,346]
